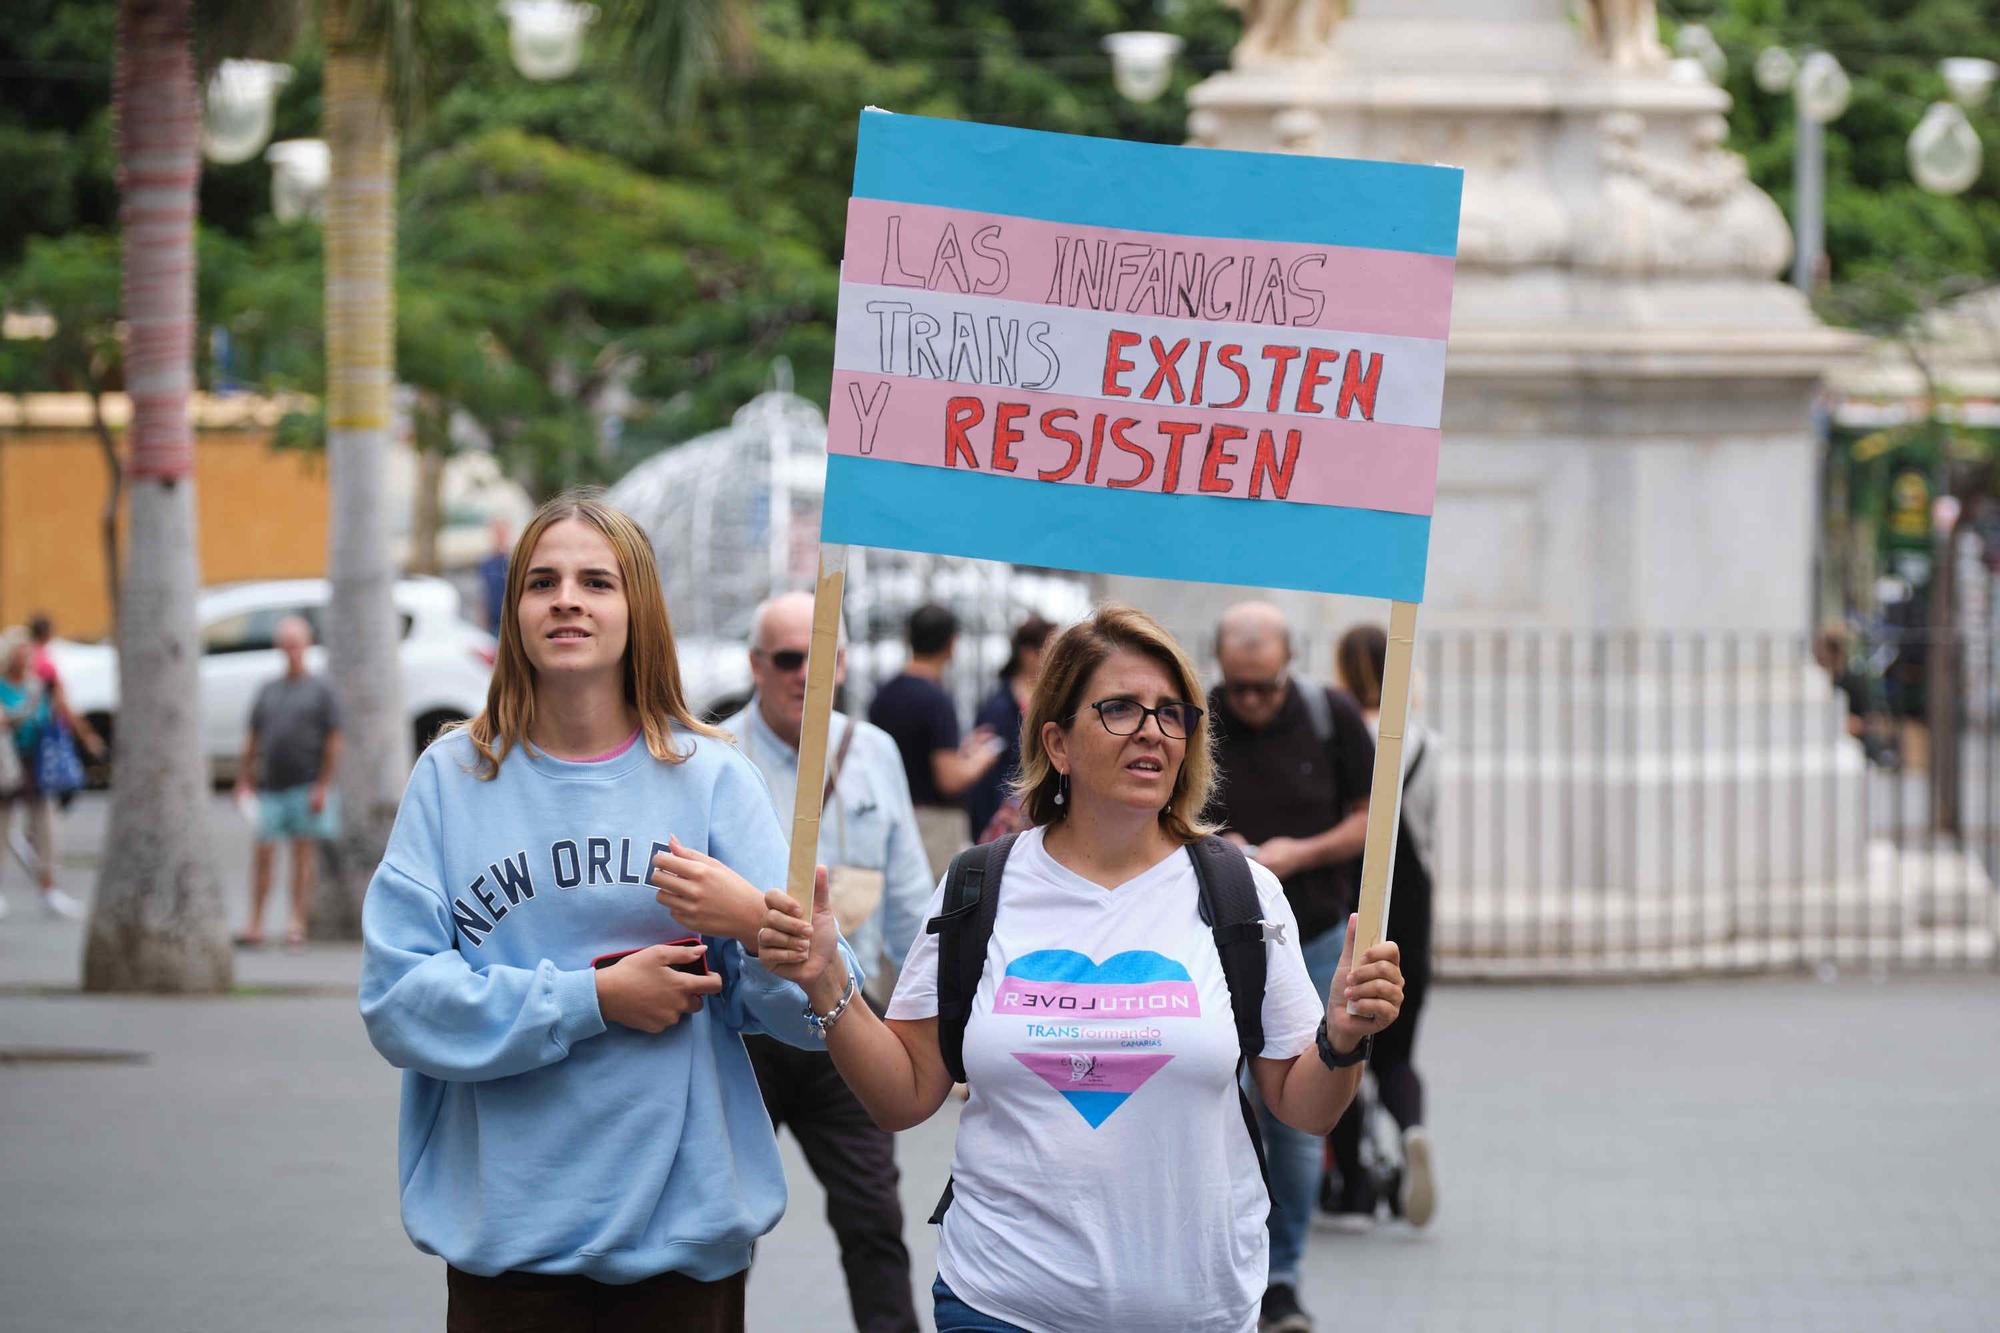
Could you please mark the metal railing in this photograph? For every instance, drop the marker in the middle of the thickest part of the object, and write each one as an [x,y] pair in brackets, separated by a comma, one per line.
[1647,804]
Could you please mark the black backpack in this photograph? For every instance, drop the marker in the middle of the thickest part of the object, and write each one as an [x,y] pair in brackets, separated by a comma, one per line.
[1229,907]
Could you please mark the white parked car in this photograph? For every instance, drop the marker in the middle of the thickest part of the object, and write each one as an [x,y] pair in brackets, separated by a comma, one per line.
[446,659]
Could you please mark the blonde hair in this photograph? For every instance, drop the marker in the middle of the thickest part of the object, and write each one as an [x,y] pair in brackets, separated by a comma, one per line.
[1067,668]
[652,668]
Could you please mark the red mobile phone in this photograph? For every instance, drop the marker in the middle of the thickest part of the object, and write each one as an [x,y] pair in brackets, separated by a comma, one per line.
[697,968]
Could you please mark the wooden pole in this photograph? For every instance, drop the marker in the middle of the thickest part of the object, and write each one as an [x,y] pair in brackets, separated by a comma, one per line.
[820,662]
[1385,796]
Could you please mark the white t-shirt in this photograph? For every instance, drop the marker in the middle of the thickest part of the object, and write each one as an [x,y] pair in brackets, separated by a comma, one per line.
[1103,1178]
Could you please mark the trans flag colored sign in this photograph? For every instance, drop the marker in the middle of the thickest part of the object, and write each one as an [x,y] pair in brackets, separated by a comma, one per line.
[1131,358]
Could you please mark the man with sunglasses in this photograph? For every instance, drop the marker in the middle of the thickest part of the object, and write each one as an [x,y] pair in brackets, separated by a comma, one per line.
[1296,762]
[869,842]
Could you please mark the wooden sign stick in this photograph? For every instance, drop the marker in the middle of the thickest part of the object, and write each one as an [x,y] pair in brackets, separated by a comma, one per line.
[820,662]
[1385,796]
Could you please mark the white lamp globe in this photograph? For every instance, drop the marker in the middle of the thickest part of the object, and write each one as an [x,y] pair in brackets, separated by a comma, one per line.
[545,37]
[1142,63]
[1775,69]
[1823,88]
[299,172]
[241,101]
[1969,78]
[1945,153]
[1695,42]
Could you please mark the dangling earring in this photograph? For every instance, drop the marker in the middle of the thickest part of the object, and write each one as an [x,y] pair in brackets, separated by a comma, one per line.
[1062,788]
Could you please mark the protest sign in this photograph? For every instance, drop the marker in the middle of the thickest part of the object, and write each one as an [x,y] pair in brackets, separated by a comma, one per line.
[1138,359]
[1129,358]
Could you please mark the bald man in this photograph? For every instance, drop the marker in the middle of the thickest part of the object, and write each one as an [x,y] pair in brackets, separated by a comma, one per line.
[287,767]
[871,846]
[1296,762]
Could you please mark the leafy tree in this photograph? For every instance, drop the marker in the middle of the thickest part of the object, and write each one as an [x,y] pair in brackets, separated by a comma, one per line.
[1878,220]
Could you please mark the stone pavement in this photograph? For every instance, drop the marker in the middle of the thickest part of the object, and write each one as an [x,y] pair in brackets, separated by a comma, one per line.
[1762,1154]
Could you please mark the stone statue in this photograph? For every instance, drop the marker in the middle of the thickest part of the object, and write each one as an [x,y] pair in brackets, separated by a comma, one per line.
[1626,33]
[1282,30]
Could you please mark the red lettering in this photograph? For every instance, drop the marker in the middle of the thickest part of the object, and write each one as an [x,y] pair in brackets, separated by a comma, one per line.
[961,415]
[1220,437]
[1145,457]
[1357,387]
[1096,448]
[1280,358]
[1177,433]
[1115,364]
[1266,463]
[1200,364]
[1314,377]
[1006,435]
[1226,356]
[1068,437]
[1169,371]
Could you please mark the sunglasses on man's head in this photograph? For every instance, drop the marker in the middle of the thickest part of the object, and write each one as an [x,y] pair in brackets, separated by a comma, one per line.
[785,659]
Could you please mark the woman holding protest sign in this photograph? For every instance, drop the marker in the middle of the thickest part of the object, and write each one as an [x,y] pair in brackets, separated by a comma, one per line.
[582,1137]
[1097,995]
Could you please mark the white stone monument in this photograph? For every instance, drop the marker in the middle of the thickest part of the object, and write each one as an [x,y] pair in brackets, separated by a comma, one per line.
[1628,449]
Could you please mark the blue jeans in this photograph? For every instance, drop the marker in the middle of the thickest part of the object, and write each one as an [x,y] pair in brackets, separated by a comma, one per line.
[955,1316]
[1296,1159]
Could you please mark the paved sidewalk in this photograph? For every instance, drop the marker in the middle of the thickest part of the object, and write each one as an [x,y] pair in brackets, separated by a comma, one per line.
[1766,1154]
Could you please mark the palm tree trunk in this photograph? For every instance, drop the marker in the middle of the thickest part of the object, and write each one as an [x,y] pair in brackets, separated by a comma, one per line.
[156,923]
[360,367]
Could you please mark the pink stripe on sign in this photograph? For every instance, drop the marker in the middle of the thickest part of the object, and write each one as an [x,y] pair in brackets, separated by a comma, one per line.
[1154,999]
[1093,1071]
[1139,272]
[1127,446]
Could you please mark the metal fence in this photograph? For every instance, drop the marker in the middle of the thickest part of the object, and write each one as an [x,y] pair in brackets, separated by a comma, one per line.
[1647,804]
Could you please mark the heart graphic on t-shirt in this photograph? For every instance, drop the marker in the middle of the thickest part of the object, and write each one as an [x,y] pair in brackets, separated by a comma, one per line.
[1064,984]
[1096,1083]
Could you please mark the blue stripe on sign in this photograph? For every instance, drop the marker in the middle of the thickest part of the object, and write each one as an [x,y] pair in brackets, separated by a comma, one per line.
[1158,187]
[1194,538]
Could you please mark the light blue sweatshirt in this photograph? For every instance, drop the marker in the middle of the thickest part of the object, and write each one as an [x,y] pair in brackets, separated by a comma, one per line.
[534,1136]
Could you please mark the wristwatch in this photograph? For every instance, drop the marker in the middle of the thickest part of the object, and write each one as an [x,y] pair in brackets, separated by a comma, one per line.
[1333,1059]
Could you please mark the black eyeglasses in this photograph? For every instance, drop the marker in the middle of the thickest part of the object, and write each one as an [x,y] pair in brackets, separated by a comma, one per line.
[1124,717]
[1258,689]
[785,659]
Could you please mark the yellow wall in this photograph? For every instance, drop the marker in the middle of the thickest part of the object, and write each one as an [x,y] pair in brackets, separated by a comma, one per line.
[261,513]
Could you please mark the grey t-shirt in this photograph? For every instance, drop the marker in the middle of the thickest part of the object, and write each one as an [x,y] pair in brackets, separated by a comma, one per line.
[292,719]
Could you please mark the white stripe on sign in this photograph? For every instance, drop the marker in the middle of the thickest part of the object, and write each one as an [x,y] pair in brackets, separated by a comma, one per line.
[983,340]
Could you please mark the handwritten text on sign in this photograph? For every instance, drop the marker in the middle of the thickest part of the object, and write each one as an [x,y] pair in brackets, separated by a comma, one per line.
[1140,361]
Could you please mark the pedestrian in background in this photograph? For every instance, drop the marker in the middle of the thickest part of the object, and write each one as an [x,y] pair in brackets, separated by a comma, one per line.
[993,809]
[1104,1177]
[879,881]
[1360,660]
[915,710]
[44,735]
[582,1138]
[1296,764]
[285,776]
[493,575]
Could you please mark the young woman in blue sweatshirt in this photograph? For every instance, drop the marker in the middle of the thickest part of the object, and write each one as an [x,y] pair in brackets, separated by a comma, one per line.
[584,1147]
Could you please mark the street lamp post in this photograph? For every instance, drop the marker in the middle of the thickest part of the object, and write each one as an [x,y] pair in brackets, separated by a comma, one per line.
[1819,94]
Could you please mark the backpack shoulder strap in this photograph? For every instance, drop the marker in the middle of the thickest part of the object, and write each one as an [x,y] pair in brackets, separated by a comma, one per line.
[1230,908]
[1318,707]
[963,928]
[1234,916]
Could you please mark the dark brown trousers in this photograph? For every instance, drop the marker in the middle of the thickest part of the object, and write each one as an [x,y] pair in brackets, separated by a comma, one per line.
[567,1303]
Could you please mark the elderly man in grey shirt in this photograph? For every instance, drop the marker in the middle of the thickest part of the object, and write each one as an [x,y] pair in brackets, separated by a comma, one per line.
[881,881]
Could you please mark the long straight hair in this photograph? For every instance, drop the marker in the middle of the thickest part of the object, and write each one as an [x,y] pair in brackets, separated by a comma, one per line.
[652,667]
